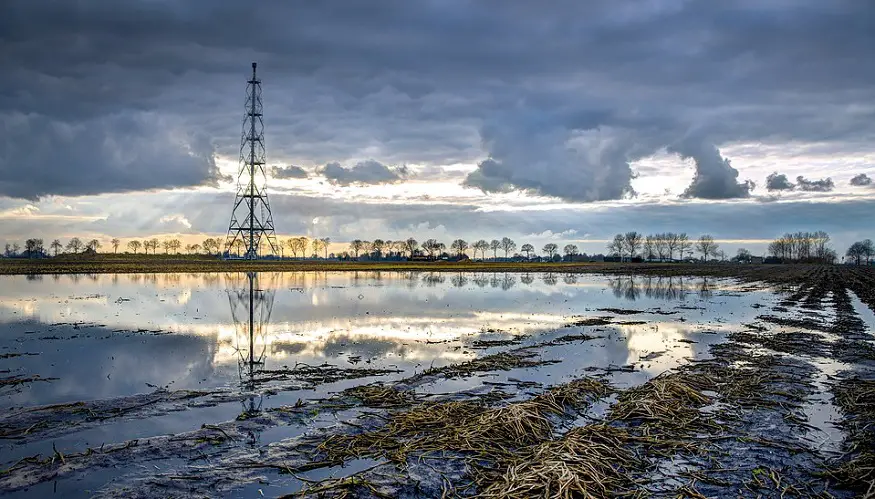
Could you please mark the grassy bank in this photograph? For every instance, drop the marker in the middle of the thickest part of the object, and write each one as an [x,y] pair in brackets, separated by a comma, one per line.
[114,264]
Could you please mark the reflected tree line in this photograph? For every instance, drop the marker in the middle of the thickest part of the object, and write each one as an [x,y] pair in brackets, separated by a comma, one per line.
[661,288]
[630,286]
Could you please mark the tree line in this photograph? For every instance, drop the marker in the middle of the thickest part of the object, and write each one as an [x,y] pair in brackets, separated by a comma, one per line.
[801,247]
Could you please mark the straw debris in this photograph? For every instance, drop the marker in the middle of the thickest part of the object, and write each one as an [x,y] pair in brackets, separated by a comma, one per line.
[473,428]
[382,397]
[667,405]
[587,462]
[503,361]
[856,397]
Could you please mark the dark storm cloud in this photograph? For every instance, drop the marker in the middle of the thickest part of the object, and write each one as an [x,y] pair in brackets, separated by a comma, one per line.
[538,156]
[822,185]
[290,171]
[778,182]
[715,178]
[129,152]
[861,180]
[363,172]
[562,98]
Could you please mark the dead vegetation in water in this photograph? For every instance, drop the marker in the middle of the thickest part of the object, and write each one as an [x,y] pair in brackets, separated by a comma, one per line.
[587,462]
[667,406]
[473,429]
[479,344]
[856,397]
[569,338]
[324,373]
[381,397]
[590,321]
[12,355]
[17,380]
[503,361]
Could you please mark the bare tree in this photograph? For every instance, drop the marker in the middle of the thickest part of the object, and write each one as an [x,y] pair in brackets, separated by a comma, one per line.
[211,246]
[507,245]
[649,247]
[175,245]
[195,248]
[632,243]
[326,241]
[93,245]
[56,246]
[528,249]
[857,252]
[821,249]
[115,242]
[673,242]
[167,245]
[430,246]
[685,245]
[75,245]
[660,245]
[154,244]
[616,246]
[550,249]
[495,245]
[459,246]
[480,246]
[237,246]
[571,250]
[356,246]
[134,245]
[706,246]
[301,246]
[33,247]
[377,247]
[868,250]
[410,246]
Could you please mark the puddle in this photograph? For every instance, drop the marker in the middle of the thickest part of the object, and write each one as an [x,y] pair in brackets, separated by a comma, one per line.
[864,313]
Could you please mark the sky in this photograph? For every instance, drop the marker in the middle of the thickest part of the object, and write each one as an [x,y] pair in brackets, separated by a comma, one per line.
[562,122]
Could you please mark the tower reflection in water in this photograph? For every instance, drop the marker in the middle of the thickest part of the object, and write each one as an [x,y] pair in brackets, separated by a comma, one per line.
[251,298]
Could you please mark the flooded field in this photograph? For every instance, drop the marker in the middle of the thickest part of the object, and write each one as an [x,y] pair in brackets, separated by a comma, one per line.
[387,384]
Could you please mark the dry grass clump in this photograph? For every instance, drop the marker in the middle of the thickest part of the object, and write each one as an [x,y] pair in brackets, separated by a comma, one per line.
[857,396]
[668,403]
[858,474]
[588,462]
[381,396]
[577,392]
[468,427]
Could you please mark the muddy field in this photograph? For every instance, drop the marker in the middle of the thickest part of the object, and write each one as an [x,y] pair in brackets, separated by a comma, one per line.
[709,381]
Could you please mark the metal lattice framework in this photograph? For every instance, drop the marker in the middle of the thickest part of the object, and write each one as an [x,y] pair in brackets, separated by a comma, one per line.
[251,229]
[251,306]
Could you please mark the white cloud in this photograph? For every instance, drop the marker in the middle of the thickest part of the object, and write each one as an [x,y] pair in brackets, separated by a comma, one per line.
[175,219]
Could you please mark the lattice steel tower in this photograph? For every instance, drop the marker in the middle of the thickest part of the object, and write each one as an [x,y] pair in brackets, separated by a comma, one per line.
[251,229]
